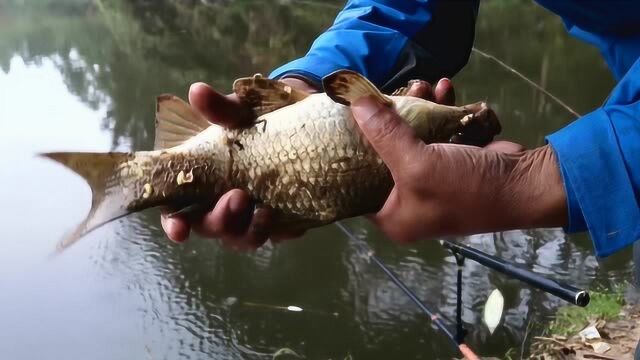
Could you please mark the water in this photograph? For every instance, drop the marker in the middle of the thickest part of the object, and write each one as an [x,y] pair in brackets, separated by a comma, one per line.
[83,76]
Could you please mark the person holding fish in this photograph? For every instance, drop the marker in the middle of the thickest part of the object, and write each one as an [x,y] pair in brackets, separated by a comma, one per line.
[586,178]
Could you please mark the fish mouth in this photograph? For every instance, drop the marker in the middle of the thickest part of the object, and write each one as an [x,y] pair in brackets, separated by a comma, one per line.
[480,127]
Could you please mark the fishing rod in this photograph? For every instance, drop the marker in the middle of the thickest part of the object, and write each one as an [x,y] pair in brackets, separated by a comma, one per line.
[569,293]
[458,339]
[566,292]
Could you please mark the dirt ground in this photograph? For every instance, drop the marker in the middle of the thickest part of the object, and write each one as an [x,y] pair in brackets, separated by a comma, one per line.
[617,340]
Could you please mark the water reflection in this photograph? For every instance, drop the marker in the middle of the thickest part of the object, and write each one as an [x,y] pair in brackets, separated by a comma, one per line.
[83,75]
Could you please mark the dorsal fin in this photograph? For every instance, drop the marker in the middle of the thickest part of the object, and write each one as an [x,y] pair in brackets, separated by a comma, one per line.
[176,122]
[266,95]
[346,86]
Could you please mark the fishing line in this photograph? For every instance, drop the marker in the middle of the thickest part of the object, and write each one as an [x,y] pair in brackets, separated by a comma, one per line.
[529,81]
[436,319]
[485,55]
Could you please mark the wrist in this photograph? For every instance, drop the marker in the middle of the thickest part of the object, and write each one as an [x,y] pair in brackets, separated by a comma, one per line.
[536,191]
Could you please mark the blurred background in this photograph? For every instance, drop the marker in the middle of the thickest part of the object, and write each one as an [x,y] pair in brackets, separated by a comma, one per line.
[82,75]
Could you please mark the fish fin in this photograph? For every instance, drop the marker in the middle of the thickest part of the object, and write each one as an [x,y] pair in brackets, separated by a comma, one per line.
[346,86]
[401,91]
[493,310]
[189,210]
[266,95]
[109,201]
[176,122]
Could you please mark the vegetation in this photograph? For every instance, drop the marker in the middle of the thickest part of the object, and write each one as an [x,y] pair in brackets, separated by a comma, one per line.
[128,51]
[121,54]
[604,305]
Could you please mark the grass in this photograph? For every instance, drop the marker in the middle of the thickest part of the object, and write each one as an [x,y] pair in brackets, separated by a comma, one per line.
[604,304]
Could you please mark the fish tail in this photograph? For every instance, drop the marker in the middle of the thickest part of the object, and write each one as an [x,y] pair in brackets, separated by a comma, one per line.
[109,199]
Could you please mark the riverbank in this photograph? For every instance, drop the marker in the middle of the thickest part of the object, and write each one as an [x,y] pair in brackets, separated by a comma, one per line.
[609,328]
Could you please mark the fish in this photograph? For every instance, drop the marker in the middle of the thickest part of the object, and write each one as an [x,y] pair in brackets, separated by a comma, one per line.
[304,157]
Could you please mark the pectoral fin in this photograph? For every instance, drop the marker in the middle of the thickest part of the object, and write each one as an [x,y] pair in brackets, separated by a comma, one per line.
[266,95]
[176,122]
[346,86]
[189,211]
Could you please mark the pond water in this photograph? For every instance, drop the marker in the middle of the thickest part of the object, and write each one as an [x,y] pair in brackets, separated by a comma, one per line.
[78,75]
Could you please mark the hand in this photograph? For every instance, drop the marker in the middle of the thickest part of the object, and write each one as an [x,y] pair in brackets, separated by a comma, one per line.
[446,189]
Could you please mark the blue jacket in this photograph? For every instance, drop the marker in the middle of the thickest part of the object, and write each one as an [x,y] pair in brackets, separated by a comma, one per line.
[392,42]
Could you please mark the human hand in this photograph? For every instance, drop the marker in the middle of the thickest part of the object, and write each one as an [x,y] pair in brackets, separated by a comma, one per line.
[447,189]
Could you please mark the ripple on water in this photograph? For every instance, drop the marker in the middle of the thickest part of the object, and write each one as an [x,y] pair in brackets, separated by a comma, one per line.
[172,289]
[151,270]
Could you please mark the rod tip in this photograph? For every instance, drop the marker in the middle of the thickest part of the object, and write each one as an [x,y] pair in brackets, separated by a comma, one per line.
[582,298]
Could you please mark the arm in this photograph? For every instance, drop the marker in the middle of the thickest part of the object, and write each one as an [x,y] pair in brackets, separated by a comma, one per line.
[599,156]
[391,42]
[588,178]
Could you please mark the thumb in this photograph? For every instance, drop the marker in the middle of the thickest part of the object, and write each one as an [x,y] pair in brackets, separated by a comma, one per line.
[226,111]
[391,137]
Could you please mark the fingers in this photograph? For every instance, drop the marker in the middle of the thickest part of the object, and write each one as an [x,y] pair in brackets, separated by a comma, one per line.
[219,109]
[505,147]
[230,217]
[235,221]
[444,93]
[420,89]
[391,137]
[176,228]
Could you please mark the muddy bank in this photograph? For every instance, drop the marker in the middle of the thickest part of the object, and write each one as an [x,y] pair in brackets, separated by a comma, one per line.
[591,333]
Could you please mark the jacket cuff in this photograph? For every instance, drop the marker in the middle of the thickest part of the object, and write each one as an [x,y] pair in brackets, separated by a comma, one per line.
[600,194]
[302,68]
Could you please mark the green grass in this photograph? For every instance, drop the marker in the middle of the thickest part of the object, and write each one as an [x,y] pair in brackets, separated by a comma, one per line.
[605,304]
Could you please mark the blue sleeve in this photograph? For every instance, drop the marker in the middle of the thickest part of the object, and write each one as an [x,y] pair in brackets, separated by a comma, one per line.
[391,42]
[599,154]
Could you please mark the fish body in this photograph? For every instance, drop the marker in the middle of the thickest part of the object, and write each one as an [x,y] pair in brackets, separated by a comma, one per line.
[307,161]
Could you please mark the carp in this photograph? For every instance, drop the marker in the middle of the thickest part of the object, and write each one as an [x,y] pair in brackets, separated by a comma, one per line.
[304,157]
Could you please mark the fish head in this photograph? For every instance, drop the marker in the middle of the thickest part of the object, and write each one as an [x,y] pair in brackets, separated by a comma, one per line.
[474,124]
[479,127]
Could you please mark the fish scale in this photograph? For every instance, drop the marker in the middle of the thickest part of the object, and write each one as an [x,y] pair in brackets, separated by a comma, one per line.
[289,163]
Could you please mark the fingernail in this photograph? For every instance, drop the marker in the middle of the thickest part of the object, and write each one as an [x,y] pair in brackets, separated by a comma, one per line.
[169,228]
[364,108]
[197,85]
[444,81]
